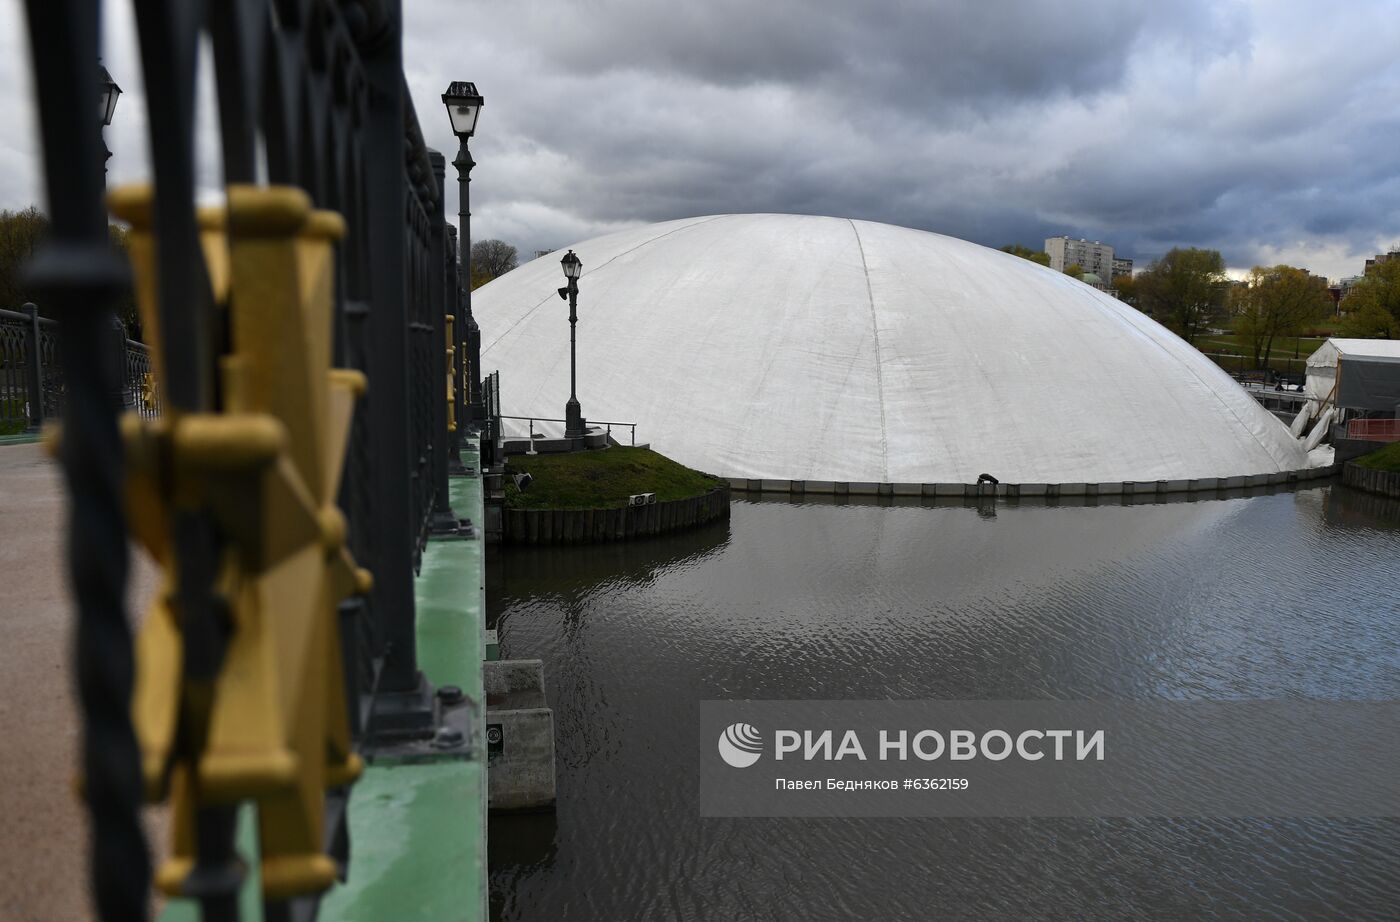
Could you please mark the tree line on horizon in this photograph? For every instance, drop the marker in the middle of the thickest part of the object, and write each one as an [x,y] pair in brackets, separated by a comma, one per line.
[22,231]
[1188,291]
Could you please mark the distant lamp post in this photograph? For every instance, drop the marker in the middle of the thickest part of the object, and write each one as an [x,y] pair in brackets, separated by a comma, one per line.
[573,415]
[108,91]
[463,108]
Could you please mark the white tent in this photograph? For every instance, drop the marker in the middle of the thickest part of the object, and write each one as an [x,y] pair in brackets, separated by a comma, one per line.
[1358,374]
[811,348]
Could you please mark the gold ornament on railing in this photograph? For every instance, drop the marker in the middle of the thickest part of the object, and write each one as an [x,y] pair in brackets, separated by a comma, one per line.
[451,377]
[267,470]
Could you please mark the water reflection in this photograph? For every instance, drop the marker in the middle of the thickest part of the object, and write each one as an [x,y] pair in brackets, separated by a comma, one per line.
[1284,594]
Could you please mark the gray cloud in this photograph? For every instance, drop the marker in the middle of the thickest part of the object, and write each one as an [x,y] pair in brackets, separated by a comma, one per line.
[1263,129]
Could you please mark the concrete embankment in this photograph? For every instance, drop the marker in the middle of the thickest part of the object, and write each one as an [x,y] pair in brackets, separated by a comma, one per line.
[1029,490]
[591,526]
[1384,483]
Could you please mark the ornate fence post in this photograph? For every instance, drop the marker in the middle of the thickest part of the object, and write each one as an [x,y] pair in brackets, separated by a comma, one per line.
[78,274]
[404,702]
[34,382]
[444,519]
[459,355]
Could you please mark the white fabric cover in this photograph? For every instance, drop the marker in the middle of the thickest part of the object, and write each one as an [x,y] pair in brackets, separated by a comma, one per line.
[812,348]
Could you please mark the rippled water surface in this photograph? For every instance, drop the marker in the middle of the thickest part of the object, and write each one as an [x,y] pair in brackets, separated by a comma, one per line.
[1285,595]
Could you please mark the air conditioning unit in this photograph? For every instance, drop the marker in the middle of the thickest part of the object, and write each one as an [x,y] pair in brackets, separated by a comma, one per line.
[641,499]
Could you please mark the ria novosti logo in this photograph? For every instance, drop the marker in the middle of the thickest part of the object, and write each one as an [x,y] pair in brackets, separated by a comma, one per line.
[740,745]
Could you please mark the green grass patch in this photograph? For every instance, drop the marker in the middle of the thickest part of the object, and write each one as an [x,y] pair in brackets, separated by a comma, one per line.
[12,418]
[601,479]
[1384,459]
[1283,347]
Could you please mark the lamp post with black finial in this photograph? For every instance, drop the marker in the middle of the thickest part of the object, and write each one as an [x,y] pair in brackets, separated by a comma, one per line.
[463,108]
[573,414]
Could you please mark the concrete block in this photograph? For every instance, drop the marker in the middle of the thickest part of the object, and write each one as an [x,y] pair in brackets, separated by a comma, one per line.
[863,488]
[520,759]
[1257,480]
[1205,483]
[1231,483]
[514,683]
[1173,486]
[949,489]
[1035,489]
[492,646]
[1110,489]
[775,486]
[1073,489]
[908,489]
[820,486]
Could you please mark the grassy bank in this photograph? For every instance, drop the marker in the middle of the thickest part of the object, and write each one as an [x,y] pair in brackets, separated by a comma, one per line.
[601,479]
[1386,459]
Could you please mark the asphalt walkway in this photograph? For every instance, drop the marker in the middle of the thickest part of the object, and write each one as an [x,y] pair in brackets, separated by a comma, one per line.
[43,872]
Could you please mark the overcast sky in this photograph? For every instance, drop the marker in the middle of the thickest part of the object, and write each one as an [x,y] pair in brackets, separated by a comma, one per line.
[1267,129]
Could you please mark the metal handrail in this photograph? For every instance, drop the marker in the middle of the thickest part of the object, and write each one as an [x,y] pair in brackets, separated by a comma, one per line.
[591,422]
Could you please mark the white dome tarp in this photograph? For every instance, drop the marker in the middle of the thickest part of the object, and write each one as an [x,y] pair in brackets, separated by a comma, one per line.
[811,348]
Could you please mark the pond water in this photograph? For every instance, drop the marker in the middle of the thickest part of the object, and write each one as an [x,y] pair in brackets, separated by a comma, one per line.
[1290,594]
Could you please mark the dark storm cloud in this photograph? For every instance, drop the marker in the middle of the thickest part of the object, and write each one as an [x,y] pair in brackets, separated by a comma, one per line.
[911,51]
[1263,128]
[1250,127]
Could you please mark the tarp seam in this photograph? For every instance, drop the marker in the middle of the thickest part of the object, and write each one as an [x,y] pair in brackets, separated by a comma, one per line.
[879,364]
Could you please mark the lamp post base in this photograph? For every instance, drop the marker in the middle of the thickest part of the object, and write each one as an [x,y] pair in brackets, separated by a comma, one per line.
[573,421]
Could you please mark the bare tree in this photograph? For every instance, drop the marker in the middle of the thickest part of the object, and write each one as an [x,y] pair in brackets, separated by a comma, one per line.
[491,259]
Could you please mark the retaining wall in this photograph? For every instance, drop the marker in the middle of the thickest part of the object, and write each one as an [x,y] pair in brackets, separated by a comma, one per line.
[593,526]
[973,490]
[1386,483]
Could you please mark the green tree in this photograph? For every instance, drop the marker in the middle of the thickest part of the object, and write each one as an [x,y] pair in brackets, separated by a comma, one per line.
[1278,302]
[1186,290]
[1125,286]
[1074,270]
[1025,252]
[20,233]
[1373,306]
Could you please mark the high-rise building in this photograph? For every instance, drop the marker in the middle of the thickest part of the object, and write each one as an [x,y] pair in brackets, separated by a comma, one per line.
[1122,266]
[1093,257]
[1380,258]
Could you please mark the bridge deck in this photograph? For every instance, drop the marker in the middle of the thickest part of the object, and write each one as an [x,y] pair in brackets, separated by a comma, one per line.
[418,831]
[43,873]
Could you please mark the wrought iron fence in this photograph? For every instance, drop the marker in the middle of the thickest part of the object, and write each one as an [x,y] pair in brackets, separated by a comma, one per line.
[314,90]
[491,395]
[32,385]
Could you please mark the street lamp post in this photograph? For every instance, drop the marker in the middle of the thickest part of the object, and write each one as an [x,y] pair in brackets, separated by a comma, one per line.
[463,107]
[573,414]
[107,93]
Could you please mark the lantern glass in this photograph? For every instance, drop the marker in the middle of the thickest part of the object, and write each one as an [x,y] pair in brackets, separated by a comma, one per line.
[573,266]
[108,91]
[463,107]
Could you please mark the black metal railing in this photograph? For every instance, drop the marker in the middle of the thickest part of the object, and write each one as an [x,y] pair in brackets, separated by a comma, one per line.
[314,91]
[491,395]
[605,425]
[32,385]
